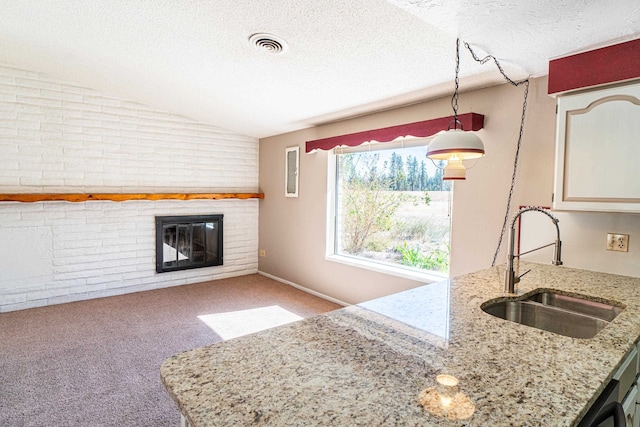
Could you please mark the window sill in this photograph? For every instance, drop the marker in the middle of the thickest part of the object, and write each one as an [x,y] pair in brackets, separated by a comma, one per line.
[418,276]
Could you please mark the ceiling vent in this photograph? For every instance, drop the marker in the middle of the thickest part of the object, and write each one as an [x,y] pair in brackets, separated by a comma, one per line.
[268,43]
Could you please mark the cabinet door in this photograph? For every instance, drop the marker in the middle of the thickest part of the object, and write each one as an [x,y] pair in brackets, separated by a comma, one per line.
[598,150]
[629,406]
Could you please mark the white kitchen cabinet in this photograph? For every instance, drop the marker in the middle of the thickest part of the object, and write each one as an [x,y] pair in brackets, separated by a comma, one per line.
[598,150]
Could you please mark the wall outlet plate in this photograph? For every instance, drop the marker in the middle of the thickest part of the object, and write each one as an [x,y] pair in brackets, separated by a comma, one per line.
[618,242]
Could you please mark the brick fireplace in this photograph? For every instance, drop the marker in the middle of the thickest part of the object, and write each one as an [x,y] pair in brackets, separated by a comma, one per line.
[59,137]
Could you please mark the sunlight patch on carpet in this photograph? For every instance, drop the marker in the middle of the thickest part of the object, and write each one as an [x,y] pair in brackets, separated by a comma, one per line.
[243,322]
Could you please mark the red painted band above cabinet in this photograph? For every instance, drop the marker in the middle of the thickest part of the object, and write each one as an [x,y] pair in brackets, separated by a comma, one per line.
[609,64]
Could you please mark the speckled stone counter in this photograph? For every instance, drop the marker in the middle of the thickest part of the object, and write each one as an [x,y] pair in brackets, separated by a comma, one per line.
[366,365]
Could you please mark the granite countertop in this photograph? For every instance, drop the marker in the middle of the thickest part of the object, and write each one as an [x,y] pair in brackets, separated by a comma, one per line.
[368,364]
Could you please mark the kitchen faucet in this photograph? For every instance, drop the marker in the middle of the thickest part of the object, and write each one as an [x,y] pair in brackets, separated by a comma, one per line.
[510,277]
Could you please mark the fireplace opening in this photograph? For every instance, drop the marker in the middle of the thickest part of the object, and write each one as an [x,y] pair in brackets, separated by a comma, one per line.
[184,242]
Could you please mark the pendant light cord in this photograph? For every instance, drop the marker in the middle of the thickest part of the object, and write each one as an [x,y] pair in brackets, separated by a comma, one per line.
[524,82]
[454,98]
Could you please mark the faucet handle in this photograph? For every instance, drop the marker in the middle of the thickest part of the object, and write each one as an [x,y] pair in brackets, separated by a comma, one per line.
[518,277]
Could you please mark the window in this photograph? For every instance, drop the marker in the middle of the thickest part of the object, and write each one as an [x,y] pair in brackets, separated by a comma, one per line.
[391,210]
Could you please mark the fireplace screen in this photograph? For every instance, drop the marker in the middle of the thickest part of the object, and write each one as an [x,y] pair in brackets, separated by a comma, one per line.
[184,242]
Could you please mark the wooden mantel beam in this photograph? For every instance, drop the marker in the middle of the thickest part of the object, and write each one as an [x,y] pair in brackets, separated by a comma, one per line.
[121,197]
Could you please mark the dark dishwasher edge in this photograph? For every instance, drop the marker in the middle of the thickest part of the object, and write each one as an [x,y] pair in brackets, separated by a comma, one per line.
[609,394]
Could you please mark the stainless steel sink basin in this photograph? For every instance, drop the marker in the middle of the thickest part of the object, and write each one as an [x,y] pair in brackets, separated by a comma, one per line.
[570,316]
[584,306]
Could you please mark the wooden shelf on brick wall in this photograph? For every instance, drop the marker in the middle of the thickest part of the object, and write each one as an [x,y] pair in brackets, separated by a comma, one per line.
[121,197]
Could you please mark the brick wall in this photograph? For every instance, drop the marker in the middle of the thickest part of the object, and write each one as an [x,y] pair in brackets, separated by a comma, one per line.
[58,137]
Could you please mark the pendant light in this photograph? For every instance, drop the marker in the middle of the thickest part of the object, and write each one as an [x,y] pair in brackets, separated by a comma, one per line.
[455,145]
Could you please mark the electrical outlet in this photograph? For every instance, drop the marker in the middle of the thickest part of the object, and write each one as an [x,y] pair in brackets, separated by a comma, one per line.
[262,252]
[618,242]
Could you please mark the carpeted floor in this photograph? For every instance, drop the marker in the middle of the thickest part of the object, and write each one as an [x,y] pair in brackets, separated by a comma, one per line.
[96,362]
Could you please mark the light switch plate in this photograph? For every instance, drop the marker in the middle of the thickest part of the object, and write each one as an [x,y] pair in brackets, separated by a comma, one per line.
[618,242]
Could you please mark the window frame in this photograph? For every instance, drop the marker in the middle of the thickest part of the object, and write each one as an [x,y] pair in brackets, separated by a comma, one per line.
[332,217]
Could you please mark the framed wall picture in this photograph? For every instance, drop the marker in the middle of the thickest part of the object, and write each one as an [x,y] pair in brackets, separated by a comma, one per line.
[292,159]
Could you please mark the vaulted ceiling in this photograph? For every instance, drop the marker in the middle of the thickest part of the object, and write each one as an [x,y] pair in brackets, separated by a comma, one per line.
[341,58]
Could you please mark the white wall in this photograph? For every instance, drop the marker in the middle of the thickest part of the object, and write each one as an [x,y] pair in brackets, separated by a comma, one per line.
[58,137]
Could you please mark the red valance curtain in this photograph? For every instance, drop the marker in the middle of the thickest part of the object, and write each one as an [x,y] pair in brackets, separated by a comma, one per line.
[426,128]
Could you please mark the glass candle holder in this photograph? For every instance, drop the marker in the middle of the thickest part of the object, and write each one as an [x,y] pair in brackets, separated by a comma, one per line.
[447,389]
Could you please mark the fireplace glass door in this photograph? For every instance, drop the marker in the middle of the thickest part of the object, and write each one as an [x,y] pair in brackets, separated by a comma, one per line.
[184,242]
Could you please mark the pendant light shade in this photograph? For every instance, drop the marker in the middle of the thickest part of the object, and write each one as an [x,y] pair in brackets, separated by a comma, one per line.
[454,170]
[455,142]
[454,146]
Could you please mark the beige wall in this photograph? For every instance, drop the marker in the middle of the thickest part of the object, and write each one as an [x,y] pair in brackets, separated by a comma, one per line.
[480,201]
[292,231]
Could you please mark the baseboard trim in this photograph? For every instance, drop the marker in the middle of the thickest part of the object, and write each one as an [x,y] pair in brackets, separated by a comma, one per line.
[302,288]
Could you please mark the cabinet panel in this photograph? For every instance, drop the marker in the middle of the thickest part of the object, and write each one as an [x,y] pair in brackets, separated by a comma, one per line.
[629,406]
[598,149]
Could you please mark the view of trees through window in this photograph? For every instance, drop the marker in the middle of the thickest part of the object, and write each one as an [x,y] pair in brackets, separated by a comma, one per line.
[393,207]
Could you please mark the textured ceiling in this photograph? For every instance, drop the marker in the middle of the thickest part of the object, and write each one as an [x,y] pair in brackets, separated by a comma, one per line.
[344,57]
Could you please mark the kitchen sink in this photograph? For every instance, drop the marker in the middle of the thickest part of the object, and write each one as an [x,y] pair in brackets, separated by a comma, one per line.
[571,316]
[580,305]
